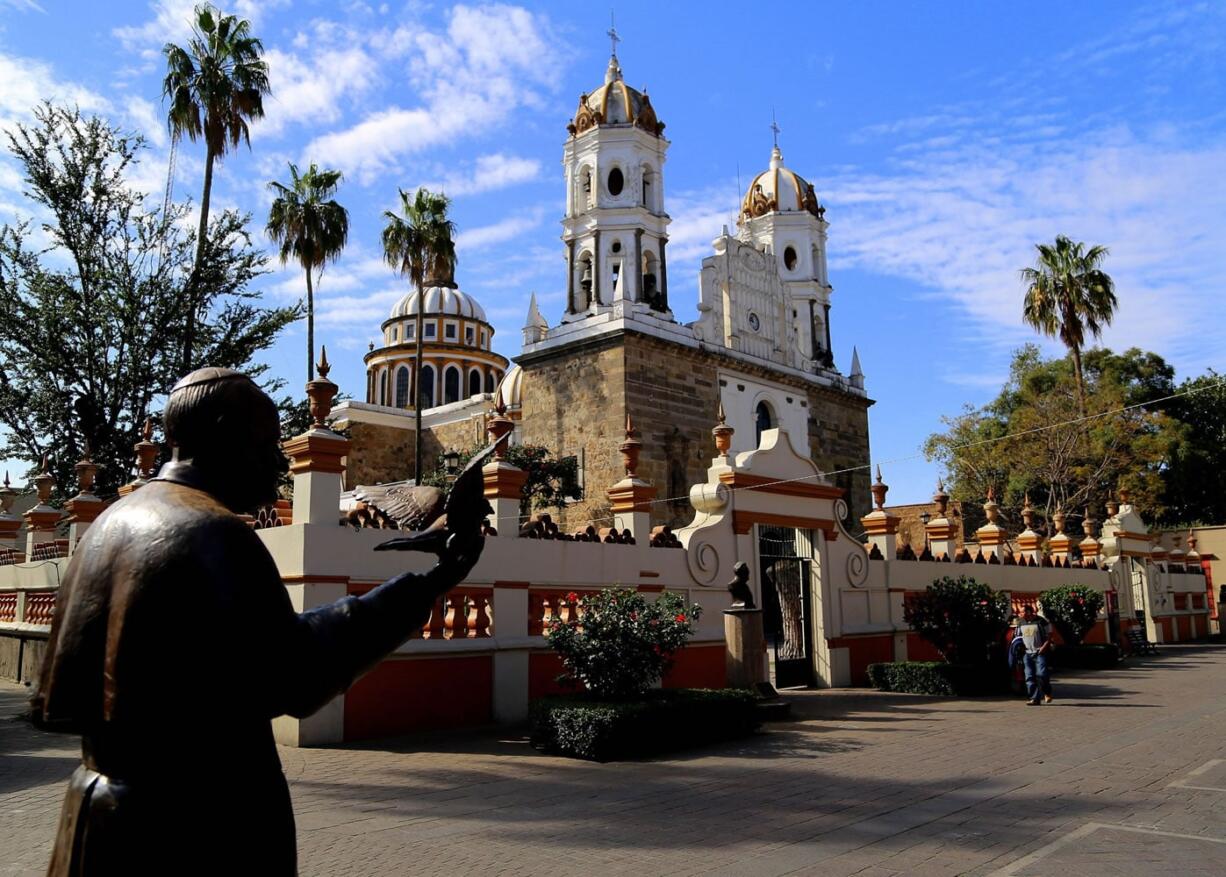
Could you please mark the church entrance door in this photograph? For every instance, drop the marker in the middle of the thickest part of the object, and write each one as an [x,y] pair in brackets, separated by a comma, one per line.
[787,603]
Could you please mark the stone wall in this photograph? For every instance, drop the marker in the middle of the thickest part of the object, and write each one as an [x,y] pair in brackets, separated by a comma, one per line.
[573,404]
[461,435]
[378,454]
[576,398]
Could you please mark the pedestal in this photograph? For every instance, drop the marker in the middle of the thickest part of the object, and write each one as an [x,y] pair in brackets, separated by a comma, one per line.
[745,647]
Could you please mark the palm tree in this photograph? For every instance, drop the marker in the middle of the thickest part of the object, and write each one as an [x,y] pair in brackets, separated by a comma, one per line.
[1067,295]
[311,227]
[420,244]
[215,86]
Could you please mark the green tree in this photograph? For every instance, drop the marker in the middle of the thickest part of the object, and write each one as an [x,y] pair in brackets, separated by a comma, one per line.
[420,244]
[215,86]
[1072,610]
[961,617]
[1067,295]
[311,228]
[1028,439]
[92,300]
[1195,479]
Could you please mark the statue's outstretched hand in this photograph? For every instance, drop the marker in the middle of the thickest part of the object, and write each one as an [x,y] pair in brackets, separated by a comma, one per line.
[462,552]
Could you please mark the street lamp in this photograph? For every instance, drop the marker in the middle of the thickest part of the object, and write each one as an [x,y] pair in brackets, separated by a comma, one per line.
[451,463]
[925,517]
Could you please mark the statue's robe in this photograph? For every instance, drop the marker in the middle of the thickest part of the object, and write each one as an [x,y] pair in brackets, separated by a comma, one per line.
[173,646]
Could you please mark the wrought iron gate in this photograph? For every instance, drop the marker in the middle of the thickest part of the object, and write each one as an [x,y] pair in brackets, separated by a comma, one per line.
[786,604]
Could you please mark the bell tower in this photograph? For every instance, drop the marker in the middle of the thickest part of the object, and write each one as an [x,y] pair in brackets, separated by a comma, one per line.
[615,228]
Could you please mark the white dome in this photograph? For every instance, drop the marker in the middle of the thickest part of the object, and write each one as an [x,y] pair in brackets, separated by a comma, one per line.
[510,388]
[440,300]
[779,190]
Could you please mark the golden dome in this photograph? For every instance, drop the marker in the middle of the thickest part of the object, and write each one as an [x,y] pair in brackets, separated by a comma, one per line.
[779,190]
[615,103]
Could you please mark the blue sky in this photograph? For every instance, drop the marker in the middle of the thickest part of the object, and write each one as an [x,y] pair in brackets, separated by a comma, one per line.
[944,138]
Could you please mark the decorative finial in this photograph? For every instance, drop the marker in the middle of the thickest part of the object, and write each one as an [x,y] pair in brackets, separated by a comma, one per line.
[146,431]
[499,427]
[722,432]
[7,496]
[1027,510]
[1058,519]
[43,482]
[321,392]
[630,449]
[991,508]
[775,129]
[1192,542]
[6,478]
[941,498]
[1087,524]
[323,366]
[879,489]
[614,39]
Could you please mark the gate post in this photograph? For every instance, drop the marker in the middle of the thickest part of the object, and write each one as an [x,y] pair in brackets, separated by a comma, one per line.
[745,647]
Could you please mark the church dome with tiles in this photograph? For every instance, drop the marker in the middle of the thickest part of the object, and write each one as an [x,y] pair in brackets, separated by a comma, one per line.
[779,190]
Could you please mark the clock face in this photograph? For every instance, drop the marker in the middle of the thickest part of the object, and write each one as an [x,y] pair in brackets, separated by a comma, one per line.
[754,322]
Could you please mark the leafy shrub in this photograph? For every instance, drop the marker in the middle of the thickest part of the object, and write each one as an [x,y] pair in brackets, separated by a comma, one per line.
[1072,610]
[935,677]
[621,644]
[660,721]
[1096,656]
[964,619]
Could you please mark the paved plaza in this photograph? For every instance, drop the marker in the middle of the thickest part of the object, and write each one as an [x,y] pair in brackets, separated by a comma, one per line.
[1125,774]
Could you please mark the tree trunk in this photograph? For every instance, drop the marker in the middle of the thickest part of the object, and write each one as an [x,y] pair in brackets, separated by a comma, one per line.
[310,327]
[1081,387]
[421,306]
[189,341]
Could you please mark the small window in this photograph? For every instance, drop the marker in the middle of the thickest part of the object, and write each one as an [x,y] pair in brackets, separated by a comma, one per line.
[617,246]
[410,331]
[616,181]
[449,331]
[427,387]
[470,335]
[402,387]
[430,330]
[474,383]
[754,322]
[383,387]
[489,382]
[484,340]
[395,335]
[762,421]
[789,258]
[451,385]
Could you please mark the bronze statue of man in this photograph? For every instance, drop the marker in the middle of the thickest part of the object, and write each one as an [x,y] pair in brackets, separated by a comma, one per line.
[174,645]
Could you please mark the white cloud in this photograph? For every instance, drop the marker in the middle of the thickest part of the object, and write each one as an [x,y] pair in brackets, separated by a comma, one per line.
[499,232]
[172,23]
[489,173]
[147,118]
[28,82]
[489,62]
[315,86]
[964,221]
[23,5]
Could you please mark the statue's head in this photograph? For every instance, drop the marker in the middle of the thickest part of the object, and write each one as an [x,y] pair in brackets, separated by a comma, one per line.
[740,569]
[228,429]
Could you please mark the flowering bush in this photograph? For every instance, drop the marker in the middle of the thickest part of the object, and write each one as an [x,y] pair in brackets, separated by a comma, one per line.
[963,618]
[620,643]
[1072,610]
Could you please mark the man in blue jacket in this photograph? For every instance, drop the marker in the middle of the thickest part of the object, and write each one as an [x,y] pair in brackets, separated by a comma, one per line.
[1033,632]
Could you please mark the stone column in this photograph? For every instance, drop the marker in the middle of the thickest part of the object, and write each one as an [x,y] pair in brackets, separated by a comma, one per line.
[663,275]
[1028,540]
[42,518]
[146,459]
[638,264]
[597,267]
[1061,543]
[83,508]
[1090,547]
[317,456]
[992,536]
[504,483]
[745,648]
[829,352]
[880,525]
[631,497]
[942,532]
[9,522]
[570,277]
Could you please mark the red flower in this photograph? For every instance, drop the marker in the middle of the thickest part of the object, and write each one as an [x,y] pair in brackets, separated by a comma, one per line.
[680,619]
[983,602]
[572,597]
[634,616]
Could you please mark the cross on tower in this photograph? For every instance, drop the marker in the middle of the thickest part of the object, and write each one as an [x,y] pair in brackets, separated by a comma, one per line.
[775,128]
[612,32]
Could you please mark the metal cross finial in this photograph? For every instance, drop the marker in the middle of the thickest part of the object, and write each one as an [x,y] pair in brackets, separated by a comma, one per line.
[612,32]
[775,127]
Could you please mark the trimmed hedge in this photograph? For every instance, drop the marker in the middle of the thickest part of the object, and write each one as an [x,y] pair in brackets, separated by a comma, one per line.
[937,677]
[659,721]
[1097,656]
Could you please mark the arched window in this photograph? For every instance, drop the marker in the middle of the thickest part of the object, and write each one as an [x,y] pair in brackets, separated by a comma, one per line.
[649,185]
[427,387]
[763,420]
[490,384]
[474,383]
[402,387]
[370,387]
[383,387]
[584,197]
[451,385]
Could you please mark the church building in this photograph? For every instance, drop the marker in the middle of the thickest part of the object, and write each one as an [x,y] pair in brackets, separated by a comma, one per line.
[760,350]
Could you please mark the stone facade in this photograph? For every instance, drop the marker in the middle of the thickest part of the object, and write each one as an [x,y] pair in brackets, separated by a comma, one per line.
[576,397]
[378,454]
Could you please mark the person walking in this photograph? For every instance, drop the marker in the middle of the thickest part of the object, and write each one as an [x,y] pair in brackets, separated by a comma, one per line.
[1036,640]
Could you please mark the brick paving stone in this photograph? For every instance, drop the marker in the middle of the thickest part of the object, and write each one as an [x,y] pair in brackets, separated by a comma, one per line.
[861,783]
